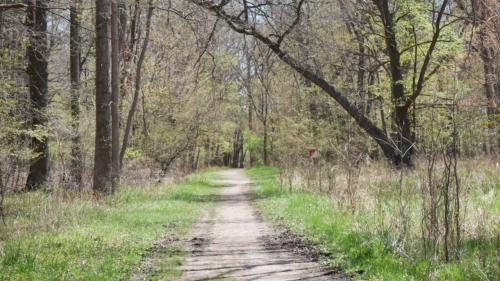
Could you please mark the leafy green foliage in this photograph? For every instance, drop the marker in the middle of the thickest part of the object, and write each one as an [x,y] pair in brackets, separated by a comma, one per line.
[254,143]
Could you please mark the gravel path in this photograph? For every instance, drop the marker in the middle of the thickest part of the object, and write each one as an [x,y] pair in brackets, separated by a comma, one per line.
[231,244]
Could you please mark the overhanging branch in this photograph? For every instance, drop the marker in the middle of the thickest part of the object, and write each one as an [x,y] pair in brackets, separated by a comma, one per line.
[243,27]
[12,6]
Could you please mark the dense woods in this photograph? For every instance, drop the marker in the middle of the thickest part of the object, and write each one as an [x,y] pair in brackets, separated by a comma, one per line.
[240,83]
[95,94]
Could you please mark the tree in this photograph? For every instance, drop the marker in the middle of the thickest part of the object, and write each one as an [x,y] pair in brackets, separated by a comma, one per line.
[138,77]
[37,53]
[75,65]
[275,21]
[262,103]
[487,40]
[102,157]
[247,81]
[259,99]
[115,93]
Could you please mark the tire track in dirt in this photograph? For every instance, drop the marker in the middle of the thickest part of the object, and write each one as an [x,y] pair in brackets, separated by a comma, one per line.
[231,245]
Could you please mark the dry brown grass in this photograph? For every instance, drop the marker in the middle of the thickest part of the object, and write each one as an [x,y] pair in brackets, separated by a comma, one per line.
[396,195]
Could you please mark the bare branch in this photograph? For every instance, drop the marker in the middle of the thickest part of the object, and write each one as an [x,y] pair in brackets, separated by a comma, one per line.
[208,42]
[12,6]
[295,22]
[244,27]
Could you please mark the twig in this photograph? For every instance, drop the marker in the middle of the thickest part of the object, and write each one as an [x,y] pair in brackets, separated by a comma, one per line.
[208,42]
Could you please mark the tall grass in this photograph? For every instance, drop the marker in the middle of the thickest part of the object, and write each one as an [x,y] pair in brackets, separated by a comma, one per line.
[68,236]
[375,223]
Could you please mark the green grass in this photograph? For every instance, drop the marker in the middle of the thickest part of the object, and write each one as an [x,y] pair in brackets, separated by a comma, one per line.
[363,239]
[61,236]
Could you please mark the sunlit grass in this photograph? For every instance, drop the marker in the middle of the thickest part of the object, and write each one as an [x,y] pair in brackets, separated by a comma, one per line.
[62,236]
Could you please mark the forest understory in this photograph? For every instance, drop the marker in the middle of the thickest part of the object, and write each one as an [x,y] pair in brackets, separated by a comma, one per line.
[381,119]
[369,220]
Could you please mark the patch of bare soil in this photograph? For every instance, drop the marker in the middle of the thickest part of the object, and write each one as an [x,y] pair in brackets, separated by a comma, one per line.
[304,249]
[157,259]
[151,261]
[236,244]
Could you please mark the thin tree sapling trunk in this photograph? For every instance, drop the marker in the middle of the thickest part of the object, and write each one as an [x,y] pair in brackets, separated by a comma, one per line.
[137,82]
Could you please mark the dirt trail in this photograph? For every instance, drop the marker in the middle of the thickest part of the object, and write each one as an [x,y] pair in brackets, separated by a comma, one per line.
[231,245]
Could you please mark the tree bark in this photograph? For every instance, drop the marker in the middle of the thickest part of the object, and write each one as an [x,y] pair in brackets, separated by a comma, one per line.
[361,88]
[403,146]
[237,148]
[133,27]
[196,159]
[37,53]
[123,22]
[266,158]
[102,157]
[115,91]
[207,153]
[76,153]
[1,29]
[248,86]
[490,94]
[487,53]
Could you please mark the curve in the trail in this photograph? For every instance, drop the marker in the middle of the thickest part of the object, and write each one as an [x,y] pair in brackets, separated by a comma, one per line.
[230,245]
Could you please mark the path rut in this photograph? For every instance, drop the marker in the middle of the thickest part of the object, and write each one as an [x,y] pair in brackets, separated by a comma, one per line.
[230,245]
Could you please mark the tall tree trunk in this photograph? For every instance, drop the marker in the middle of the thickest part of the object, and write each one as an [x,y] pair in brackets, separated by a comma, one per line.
[488,54]
[37,52]
[403,149]
[304,55]
[237,148]
[207,152]
[137,84]
[361,72]
[133,27]
[217,159]
[248,83]
[1,29]
[2,195]
[196,159]
[266,160]
[102,157]
[226,159]
[242,157]
[76,153]
[369,95]
[253,158]
[123,22]
[124,53]
[489,91]
[115,93]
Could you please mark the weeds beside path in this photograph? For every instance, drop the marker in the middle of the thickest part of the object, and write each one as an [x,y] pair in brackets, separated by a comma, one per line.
[63,236]
[368,240]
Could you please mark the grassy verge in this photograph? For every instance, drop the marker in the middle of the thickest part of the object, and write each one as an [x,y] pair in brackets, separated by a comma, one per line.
[369,238]
[62,236]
